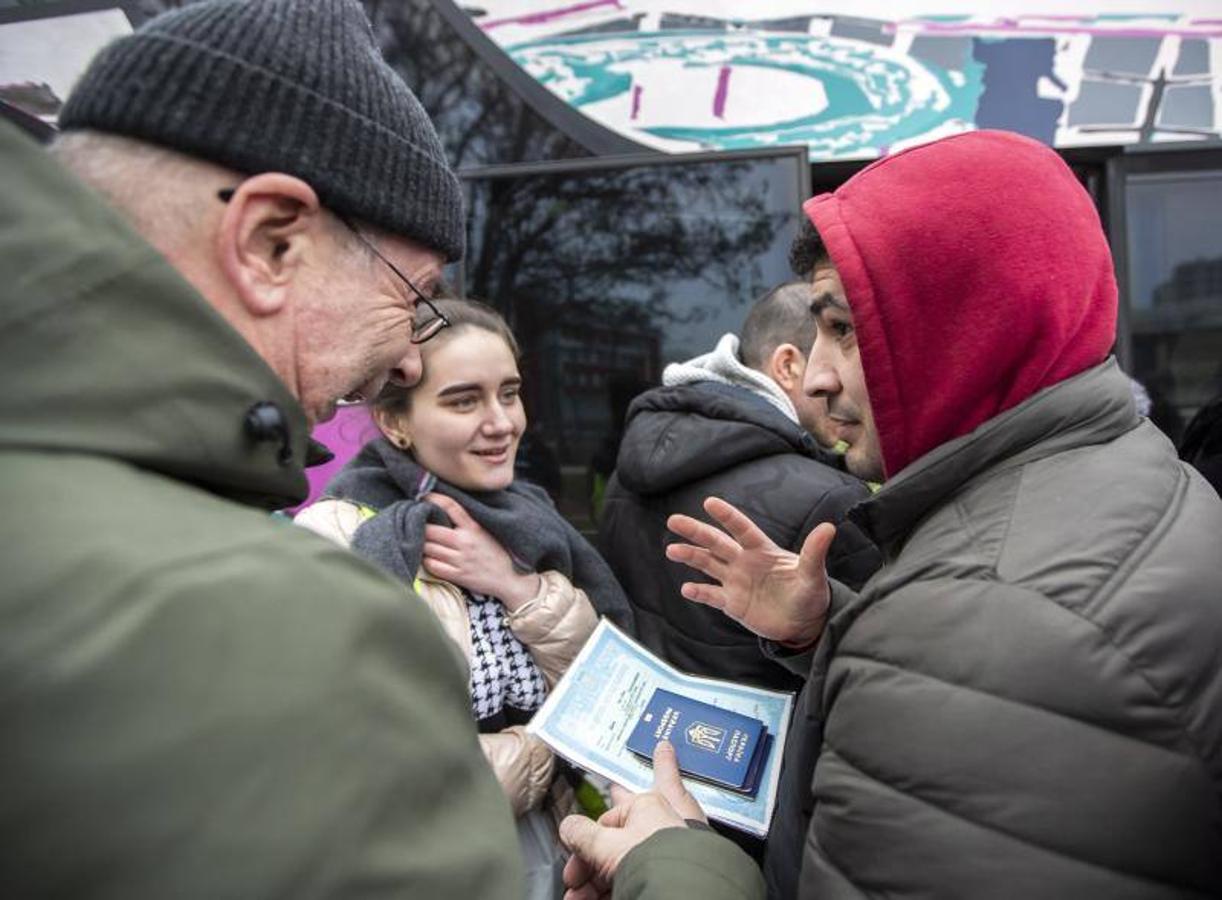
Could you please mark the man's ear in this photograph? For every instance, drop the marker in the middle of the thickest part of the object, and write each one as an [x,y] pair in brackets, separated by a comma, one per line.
[786,365]
[271,224]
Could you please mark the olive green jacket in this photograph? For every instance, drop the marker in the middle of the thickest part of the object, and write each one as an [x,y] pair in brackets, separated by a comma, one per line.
[197,699]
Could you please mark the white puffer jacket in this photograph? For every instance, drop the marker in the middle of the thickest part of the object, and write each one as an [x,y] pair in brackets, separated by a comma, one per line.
[553,627]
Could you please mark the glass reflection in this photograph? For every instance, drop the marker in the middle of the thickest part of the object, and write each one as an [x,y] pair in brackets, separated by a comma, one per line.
[480,120]
[1176,291]
[607,275]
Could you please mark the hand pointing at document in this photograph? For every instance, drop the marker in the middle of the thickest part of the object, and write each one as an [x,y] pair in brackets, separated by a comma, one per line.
[598,847]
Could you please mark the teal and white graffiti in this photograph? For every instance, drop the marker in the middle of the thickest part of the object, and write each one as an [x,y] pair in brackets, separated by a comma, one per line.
[691,74]
[861,99]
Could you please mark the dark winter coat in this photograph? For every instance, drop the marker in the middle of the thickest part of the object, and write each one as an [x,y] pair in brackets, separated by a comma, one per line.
[686,443]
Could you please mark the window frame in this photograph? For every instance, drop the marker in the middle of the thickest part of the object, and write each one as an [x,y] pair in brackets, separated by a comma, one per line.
[1147,164]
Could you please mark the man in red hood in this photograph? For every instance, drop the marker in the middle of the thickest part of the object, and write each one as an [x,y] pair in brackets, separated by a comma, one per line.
[1025,701]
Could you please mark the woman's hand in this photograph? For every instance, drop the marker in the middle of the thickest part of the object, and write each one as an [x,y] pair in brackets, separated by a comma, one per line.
[468,556]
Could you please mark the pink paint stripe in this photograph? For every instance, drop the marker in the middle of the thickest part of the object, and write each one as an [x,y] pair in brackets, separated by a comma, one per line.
[637,90]
[548,15]
[980,28]
[723,88]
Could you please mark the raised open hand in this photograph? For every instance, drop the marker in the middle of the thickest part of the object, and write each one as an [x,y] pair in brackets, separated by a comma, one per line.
[777,594]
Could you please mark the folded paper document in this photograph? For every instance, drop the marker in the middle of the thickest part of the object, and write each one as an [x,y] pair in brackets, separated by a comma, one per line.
[596,718]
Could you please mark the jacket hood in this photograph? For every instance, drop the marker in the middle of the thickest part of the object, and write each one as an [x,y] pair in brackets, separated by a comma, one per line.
[978,274]
[679,434]
[722,365]
[109,352]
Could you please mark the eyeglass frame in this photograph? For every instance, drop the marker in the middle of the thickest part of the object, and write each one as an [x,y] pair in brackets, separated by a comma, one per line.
[420,333]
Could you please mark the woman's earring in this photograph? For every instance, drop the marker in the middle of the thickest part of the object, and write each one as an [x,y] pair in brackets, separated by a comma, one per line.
[402,443]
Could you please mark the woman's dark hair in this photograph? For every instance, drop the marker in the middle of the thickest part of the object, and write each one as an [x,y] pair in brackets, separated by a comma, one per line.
[462,315]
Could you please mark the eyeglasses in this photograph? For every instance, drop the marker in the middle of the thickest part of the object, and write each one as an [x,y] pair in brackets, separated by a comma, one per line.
[421,331]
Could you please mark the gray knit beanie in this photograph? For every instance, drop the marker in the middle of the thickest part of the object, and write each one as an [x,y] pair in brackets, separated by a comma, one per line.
[295,86]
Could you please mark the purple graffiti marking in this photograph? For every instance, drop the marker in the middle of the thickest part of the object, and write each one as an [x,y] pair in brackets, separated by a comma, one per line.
[1011,27]
[637,90]
[723,88]
[548,15]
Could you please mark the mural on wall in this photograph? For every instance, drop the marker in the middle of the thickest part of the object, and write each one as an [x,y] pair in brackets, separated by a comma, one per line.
[679,75]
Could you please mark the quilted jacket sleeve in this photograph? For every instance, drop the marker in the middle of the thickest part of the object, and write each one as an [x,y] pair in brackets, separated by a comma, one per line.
[555,624]
[983,741]
[687,862]
[853,558]
[522,763]
[337,520]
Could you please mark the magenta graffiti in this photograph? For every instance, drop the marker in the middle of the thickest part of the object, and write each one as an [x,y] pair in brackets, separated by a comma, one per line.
[723,88]
[1010,26]
[549,15]
[637,90]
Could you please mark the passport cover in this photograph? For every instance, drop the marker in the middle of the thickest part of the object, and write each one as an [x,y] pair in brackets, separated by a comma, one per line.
[756,771]
[713,744]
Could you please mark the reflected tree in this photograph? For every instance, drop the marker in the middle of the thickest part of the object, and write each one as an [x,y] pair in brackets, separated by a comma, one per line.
[595,269]
[480,120]
[607,248]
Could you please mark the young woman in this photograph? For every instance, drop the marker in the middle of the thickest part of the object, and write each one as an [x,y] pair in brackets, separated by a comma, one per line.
[434,500]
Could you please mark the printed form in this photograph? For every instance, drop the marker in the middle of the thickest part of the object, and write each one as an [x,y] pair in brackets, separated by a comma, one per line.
[595,706]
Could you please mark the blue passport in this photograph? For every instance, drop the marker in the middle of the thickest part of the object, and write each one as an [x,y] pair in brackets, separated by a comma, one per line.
[716,745]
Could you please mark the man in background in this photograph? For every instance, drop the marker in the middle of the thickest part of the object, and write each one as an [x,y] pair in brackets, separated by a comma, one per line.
[733,423]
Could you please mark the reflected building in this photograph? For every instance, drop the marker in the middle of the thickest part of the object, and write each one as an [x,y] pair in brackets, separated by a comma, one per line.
[588,363]
[1193,293]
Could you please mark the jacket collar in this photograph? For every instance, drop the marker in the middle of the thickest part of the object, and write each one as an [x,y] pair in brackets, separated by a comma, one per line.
[670,431]
[1092,407]
[722,366]
[109,352]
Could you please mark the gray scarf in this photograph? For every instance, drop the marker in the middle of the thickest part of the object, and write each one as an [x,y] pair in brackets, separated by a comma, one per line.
[521,518]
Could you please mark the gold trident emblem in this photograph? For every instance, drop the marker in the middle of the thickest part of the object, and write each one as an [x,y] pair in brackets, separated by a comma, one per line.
[706,737]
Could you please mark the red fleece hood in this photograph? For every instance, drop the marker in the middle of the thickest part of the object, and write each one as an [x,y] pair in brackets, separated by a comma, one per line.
[978,274]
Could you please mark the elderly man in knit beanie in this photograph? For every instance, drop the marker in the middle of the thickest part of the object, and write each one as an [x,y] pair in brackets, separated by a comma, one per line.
[238,228]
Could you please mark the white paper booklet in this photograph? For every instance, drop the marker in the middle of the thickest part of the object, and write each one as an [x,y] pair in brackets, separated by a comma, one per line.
[591,712]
